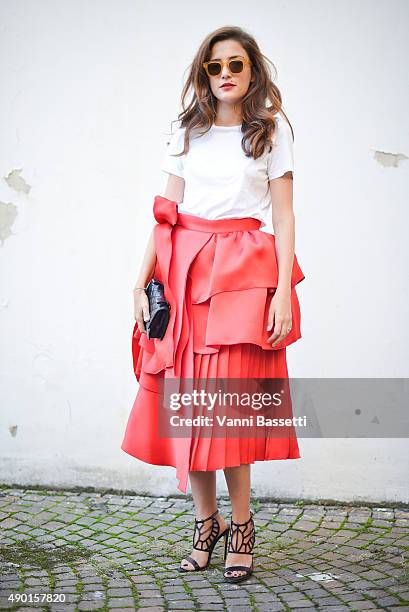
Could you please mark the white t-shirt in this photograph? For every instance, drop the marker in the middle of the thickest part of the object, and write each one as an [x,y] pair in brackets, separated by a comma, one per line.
[220,181]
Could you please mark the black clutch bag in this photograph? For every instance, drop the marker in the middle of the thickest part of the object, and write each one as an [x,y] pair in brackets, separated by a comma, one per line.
[159,309]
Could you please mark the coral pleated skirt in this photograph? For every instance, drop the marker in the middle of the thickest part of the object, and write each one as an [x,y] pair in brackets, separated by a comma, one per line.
[219,278]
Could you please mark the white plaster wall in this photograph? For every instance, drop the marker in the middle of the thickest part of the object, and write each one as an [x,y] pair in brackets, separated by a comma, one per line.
[88,93]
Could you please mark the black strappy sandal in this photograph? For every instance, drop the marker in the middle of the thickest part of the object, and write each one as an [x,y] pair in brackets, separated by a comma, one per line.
[207,544]
[244,548]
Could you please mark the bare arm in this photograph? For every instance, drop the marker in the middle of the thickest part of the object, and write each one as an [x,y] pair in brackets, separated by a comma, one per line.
[280,314]
[281,190]
[148,264]
[174,191]
[175,188]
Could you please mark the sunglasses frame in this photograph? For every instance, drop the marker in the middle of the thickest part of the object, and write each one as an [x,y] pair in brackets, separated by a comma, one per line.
[223,63]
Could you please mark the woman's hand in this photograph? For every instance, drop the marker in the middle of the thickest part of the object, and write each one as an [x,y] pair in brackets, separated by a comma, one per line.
[141,308]
[280,315]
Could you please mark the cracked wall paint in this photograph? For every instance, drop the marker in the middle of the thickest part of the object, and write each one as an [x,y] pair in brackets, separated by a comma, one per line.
[8,214]
[388,160]
[13,430]
[16,182]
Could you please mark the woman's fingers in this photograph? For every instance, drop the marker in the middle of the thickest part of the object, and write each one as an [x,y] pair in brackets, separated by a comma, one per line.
[141,325]
[281,330]
[145,311]
[281,336]
[279,316]
[139,320]
[141,311]
[282,327]
[276,332]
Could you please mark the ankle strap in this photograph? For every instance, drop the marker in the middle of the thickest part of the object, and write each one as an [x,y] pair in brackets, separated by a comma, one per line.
[209,517]
[245,523]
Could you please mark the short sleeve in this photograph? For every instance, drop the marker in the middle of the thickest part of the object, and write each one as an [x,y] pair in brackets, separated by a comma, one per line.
[174,165]
[281,157]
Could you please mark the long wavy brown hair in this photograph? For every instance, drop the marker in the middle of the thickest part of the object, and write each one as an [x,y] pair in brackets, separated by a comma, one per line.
[258,122]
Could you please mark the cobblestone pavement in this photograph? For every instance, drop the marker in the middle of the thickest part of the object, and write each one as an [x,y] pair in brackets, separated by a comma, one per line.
[99,551]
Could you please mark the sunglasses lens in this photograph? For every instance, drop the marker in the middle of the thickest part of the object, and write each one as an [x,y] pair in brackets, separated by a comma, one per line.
[214,68]
[236,66]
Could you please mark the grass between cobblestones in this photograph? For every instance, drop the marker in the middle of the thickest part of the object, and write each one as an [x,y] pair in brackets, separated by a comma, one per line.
[120,551]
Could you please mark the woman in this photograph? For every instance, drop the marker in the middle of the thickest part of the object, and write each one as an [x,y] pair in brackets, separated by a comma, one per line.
[231,286]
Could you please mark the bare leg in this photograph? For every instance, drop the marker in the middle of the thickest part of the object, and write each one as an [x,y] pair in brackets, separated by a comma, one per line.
[238,484]
[204,495]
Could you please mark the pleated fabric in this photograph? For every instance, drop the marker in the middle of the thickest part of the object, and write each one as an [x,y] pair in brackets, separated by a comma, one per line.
[219,278]
[240,361]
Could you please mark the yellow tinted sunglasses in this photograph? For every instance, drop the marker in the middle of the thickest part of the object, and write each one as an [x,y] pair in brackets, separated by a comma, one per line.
[236,65]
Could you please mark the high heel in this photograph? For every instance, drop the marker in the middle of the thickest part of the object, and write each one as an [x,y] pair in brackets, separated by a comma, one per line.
[226,541]
[247,543]
[207,544]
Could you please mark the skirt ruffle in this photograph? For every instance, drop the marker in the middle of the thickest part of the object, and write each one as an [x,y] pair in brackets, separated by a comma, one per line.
[219,277]
[141,437]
